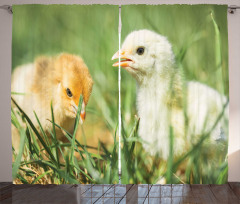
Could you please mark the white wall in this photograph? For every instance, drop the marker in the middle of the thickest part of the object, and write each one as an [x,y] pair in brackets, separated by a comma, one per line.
[5,76]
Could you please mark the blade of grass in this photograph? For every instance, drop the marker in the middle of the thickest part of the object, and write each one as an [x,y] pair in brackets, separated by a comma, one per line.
[69,137]
[41,129]
[36,132]
[75,129]
[41,176]
[54,134]
[170,157]
[16,163]
[218,54]
[17,93]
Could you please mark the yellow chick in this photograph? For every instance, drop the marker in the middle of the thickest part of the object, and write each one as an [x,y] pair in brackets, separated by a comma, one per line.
[162,96]
[60,80]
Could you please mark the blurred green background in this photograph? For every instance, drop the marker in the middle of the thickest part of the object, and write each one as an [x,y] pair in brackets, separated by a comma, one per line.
[91,31]
[88,31]
[188,26]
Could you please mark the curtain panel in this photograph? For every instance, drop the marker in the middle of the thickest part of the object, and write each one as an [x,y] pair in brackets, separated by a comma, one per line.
[82,79]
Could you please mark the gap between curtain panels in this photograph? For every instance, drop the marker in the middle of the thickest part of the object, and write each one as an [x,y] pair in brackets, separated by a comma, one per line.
[119,97]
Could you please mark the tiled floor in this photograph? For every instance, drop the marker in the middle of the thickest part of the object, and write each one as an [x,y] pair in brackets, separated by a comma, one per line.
[227,193]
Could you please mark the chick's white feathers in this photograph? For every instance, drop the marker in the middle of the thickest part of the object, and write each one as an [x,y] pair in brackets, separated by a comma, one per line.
[157,51]
[162,95]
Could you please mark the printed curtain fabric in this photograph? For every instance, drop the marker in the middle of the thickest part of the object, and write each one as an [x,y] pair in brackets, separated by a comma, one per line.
[174,94]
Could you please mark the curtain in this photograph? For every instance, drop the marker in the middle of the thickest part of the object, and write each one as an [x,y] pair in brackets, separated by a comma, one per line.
[174,94]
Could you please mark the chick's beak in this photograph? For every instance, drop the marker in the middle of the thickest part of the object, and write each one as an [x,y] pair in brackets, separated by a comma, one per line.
[82,114]
[125,59]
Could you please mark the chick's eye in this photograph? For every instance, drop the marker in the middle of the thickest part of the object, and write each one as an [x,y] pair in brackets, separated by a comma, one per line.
[69,93]
[140,50]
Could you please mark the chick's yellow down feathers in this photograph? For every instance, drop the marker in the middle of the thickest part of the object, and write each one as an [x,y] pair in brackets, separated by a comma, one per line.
[61,80]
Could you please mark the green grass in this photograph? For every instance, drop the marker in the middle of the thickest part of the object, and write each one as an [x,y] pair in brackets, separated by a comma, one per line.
[33,164]
[199,38]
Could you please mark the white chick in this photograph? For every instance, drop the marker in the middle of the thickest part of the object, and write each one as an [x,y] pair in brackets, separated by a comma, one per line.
[162,96]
